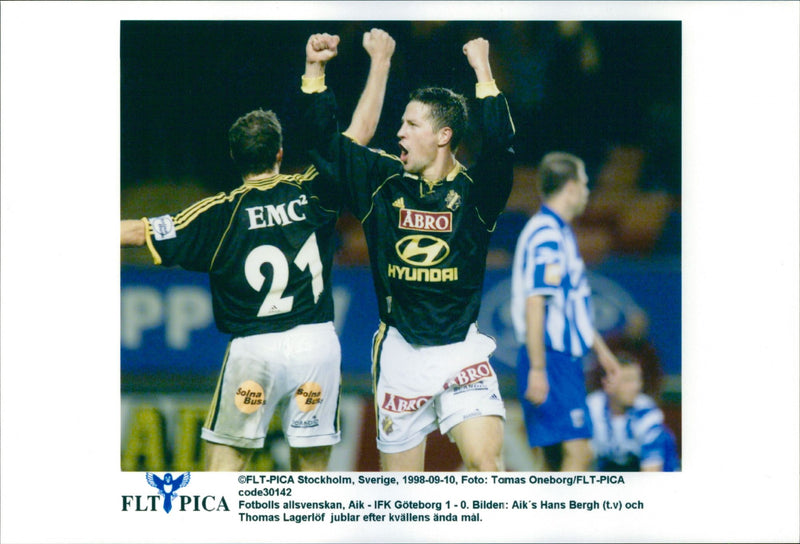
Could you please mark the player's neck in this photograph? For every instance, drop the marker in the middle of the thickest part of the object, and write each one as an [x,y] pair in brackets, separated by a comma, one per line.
[265,174]
[562,208]
[442,165]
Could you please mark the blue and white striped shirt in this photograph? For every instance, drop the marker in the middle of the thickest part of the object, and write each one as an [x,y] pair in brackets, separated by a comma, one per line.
[632,440]
[547,262]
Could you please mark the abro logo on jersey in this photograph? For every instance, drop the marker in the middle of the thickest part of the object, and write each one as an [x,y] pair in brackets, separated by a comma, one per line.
[470,374]
[394,403]
[426,221]
[281,215]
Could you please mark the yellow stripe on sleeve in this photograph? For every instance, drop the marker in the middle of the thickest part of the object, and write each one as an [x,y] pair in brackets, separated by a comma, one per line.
[311,85]
[486,88]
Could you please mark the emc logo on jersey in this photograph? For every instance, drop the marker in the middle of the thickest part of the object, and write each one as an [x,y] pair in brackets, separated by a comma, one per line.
[167,488]
[422,250]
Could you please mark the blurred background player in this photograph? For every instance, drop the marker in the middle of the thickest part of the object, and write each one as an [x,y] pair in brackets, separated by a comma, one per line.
[551,313]
[268,248]
[629,433]
[427,221]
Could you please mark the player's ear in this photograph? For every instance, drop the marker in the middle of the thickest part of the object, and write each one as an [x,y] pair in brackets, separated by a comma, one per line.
[445,135]
[279,156]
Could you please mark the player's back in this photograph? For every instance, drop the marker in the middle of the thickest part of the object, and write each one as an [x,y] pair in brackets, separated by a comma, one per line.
[268,248]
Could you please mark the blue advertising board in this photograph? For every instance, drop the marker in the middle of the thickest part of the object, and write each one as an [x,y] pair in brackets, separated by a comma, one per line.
[168,336]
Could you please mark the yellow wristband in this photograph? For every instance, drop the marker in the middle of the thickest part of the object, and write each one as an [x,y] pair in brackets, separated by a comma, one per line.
[311,85]
[149,241]
[486,88]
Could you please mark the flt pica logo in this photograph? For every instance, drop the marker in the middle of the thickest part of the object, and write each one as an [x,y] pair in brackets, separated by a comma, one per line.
[168,487]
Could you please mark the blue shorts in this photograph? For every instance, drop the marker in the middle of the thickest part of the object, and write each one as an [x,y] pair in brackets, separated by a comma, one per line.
[564,415]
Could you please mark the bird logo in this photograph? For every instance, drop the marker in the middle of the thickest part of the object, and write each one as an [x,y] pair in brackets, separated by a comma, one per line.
[168,486]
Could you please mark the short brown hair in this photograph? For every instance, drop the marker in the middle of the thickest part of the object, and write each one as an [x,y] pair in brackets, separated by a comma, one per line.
[556,169]
[255,139]
[448,109]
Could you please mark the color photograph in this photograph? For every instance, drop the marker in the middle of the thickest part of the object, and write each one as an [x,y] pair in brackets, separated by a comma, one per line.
[401,271]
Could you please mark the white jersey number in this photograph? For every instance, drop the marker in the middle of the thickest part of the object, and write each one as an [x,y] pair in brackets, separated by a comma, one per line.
[307,258]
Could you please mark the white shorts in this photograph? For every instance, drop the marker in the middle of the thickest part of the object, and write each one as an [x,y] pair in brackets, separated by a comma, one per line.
[421,387]
[295,371]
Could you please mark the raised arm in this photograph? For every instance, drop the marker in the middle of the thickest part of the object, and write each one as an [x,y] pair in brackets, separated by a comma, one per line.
[494,165]
[320,48]
[380,47]
[477,52]
[320,123]
[347,165]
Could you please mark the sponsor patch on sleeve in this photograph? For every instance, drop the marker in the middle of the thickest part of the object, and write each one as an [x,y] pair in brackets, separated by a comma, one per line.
[552,274]
[163,227]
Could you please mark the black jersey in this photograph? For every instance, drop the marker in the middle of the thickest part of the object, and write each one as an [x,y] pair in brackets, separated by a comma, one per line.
[267,247]
[427,241]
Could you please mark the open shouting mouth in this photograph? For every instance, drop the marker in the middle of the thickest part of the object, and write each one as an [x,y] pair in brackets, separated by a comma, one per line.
[403,153]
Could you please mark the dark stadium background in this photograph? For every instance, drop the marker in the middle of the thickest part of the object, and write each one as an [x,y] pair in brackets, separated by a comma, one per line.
[183,83]
[608,91]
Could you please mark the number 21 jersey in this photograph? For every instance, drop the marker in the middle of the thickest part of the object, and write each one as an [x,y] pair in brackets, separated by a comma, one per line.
[267,247]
